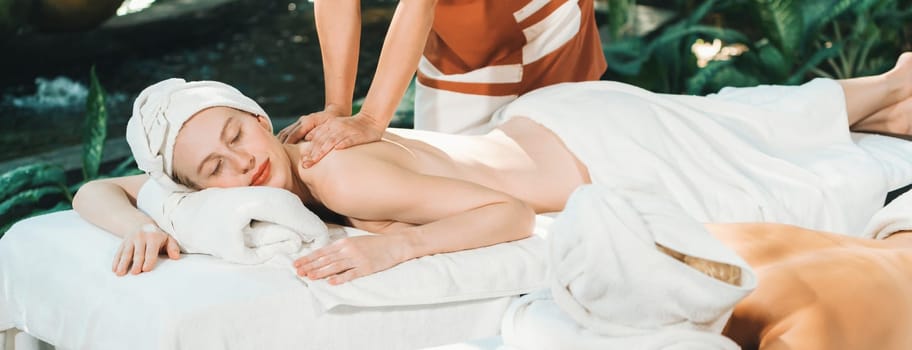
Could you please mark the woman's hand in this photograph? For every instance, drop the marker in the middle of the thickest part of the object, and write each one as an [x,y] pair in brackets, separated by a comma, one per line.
[329,130]
[353,257]
[141,248]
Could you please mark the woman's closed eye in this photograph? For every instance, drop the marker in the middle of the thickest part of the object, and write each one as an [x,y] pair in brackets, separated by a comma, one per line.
[218,163]
[236,138]
[218,167]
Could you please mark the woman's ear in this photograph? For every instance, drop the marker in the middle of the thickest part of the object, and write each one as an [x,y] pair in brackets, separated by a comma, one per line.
[264,122]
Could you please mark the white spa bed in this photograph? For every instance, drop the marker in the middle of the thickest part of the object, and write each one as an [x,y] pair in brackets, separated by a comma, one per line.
[58,287]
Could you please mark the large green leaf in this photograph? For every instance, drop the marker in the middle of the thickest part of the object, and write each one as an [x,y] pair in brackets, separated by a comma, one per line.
[96,128]
[821,55]
[125,168]
[28,197]
[625,56]
[771,62]
[820,13]
[782,23]
[696,84]
[27,176]
[618,17]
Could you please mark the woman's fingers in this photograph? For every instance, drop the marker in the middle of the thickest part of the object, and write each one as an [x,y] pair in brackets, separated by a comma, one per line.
[173,248]
[309,269]
[333,268]
[153,246]
[126,255]
[344,277]
[139,251]
[117,257]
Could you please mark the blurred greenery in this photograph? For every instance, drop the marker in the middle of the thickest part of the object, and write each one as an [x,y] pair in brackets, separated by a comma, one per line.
[44,188]
[779,42]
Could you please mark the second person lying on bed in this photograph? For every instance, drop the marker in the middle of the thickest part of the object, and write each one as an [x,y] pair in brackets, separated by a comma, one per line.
[729,157]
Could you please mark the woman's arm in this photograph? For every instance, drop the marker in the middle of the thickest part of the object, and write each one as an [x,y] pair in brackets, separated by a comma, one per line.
[111,205]
[448,214]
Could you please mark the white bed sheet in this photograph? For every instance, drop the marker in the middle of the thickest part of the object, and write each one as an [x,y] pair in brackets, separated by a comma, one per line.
[56,284]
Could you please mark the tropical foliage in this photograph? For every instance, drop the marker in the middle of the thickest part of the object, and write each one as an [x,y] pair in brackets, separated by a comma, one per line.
[784,42]
[43,188]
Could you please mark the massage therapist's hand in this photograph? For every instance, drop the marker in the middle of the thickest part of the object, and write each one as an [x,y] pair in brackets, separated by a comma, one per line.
[328,130]
[141,248]
[353,257]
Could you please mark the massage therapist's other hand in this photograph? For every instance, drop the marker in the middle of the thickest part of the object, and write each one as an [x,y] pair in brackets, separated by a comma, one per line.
[353,257]
[329,130]
[141,248]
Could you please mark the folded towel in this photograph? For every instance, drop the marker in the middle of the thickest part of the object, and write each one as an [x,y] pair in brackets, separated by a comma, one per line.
[246,225]
[610,276]
[895,217]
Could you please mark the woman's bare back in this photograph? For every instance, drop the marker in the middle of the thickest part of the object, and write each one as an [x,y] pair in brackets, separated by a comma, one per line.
[520,158]
[820,290]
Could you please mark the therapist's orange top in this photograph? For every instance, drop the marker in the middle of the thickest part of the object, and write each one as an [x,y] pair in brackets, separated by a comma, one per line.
[524,45]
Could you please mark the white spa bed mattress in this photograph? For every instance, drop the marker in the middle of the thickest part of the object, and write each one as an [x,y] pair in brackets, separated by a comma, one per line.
[56,284]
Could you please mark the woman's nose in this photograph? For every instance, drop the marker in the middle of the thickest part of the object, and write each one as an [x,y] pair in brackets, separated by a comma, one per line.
[244,161]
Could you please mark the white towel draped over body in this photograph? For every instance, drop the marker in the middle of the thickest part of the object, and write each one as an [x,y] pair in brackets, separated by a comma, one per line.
[613,289]
[779,154]
[770,154]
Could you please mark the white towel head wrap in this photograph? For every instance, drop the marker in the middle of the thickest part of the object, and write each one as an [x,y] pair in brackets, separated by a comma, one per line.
[162,109]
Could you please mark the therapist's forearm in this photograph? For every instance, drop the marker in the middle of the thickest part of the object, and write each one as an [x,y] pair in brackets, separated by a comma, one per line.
[339,30]
[402,49]
[108,206]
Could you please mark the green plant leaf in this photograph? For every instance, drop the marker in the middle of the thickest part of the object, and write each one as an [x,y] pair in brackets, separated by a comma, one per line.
[618,16]
[820,13]
[625,56]
[771,60]
[782,23]
[815,60]
[27,176]
[125,168]
[28,197]
[697,15]
[698,82]
[96,128]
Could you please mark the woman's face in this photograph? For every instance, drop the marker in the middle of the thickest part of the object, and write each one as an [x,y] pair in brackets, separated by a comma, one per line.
[226,147]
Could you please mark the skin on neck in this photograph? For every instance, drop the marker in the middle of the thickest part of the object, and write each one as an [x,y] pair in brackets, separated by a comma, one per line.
[300,186]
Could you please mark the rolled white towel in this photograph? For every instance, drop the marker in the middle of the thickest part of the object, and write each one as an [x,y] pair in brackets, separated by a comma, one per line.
[611,278]
[246,225]
[895,217]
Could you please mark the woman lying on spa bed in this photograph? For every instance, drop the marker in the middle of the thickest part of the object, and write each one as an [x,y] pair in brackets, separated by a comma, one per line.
[427,192]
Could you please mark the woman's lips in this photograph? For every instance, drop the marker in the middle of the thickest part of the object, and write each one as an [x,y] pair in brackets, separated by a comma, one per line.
[261,175]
